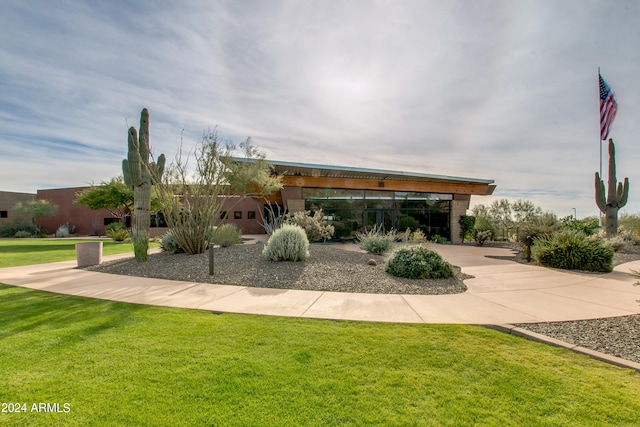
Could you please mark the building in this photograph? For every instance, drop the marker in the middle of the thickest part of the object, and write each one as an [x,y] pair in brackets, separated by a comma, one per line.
[352,199]
[8,200]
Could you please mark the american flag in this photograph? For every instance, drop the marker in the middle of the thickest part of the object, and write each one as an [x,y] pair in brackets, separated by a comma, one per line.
[608,108]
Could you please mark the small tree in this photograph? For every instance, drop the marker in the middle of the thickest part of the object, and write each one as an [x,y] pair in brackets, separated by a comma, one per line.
[34,210]
[113,196]
[193,201]
[467,222]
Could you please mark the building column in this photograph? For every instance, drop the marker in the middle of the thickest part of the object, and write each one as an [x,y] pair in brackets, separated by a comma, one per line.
[459,206]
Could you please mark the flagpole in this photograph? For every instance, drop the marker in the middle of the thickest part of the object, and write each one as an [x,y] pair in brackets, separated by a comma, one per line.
[600,138]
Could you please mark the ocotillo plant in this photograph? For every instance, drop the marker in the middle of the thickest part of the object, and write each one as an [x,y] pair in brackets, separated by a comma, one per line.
[140,174]
[617,194]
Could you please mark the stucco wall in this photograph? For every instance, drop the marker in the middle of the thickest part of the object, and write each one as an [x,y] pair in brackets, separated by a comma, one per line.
[85,220]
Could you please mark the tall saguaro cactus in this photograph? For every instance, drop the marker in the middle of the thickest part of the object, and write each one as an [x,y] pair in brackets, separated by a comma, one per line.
[617,194]
[140,175]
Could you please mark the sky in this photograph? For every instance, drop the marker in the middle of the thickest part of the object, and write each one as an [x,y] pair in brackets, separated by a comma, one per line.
[491,89]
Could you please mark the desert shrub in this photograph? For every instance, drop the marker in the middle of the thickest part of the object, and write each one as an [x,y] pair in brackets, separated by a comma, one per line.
[63,231]
[226,235]
[408,222]
[617,243]
[436,238]
[117,231]
[588,225]
[573,250]
[22,234]
[313,224]
[10,230]
[481,236]
[416,236]
[467,222]
[418,262]
[287,243]
[375,241]
[169,244]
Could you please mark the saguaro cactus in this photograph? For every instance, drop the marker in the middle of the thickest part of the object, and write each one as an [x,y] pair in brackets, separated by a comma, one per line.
[617,194]
[140,175]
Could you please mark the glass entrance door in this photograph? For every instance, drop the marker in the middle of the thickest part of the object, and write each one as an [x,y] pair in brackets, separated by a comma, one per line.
[381,219]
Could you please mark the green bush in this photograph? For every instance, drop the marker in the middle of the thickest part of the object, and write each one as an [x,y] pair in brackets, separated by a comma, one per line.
[375,241]
[418,262]
[436,238]
[313,224]
[10,230]
[22,234]
[117,231]
[407,222]
[588,225]
[467,223]
[573,250]
[288,243]
[169,244]
[226,235]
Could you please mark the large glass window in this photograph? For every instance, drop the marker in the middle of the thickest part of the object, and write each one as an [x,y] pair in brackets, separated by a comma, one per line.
[351,211]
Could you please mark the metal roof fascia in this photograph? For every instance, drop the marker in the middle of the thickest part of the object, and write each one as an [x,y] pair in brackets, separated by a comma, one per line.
[373,171]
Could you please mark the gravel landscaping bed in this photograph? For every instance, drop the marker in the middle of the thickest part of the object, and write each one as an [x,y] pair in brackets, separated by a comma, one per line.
[615,336]
[329,268]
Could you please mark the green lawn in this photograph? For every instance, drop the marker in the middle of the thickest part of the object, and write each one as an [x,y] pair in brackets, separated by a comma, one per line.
[15,252]
[117,364]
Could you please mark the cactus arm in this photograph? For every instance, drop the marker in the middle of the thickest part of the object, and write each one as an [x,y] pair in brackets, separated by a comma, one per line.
[134,160]
[157,169]
[600,198]
[125,173]
[623,193]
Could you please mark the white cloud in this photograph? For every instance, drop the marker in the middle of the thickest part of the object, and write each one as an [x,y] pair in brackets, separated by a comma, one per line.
[490,89]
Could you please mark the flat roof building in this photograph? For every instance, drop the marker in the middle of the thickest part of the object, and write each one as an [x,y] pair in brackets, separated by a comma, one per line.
[352,199]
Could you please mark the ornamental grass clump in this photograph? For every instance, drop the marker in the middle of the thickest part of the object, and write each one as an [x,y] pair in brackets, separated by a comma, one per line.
[227,235]
[288,243]
[418,262]
[573,250]
[117,231]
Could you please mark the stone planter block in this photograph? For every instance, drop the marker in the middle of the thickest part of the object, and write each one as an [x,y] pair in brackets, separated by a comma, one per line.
[88,253]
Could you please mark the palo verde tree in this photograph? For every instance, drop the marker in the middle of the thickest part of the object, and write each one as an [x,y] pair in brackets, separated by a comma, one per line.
[194,199]
[617,194]
[140,174]
[113,196]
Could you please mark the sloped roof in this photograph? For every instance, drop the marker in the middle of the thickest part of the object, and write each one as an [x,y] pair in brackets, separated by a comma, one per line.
[329,171]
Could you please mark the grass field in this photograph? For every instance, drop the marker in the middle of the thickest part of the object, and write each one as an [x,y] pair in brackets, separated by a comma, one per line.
[116,364]
[16,252]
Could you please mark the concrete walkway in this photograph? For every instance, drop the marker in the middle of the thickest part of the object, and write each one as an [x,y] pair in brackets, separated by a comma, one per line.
[502,292]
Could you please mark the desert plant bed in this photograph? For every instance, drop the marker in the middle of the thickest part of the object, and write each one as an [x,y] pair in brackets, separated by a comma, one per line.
[328,268]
